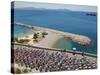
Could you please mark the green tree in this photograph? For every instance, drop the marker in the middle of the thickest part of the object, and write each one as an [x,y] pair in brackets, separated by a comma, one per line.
[18,71]
[35,36]
[43,34]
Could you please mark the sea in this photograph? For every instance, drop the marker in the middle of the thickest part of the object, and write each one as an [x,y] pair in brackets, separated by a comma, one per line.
[77,22]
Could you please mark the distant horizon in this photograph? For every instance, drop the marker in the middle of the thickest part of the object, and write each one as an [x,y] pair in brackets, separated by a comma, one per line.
[53,6]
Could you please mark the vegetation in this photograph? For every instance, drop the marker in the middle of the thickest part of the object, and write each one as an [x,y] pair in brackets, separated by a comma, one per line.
[35,36]
[43,34]
[25,71]
[19,69]
[15,39]
[23,40]
[26,40]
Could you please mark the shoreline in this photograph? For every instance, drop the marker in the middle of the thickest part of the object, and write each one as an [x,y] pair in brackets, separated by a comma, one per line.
[49,40]
[52,37]
[80,39]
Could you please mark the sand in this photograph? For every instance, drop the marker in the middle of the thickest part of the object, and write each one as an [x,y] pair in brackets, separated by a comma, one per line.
[80,39]
[49,40]
[46,42]
[53,36]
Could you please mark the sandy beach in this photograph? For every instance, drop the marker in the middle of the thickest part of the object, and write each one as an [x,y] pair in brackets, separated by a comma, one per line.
[53,36]
[48,41]
[80,39]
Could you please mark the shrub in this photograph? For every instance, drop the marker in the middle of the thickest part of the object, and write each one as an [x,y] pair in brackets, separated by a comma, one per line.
[21,41]
[25,70]
[17,70]
[35,36]
[43,34]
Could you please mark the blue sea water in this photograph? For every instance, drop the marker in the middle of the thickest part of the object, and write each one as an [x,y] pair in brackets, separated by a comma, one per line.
[64,20]
[20,31]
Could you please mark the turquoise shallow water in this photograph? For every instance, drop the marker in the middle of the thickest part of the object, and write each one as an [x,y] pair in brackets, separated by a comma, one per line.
[63,43]
[20,31]
[68,44]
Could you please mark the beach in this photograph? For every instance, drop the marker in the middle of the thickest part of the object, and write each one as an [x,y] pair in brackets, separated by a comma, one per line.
[53,36]
[49,40]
